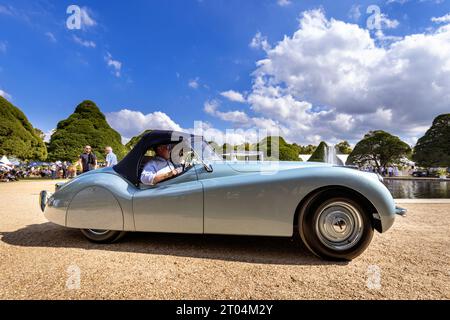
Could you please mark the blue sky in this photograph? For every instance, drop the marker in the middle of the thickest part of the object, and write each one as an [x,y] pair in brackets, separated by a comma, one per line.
[170,63]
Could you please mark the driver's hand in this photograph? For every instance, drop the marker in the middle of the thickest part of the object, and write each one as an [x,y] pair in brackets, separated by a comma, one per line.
[178,171]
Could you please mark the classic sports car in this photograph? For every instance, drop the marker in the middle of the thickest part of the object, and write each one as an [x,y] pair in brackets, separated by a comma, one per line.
[333,209]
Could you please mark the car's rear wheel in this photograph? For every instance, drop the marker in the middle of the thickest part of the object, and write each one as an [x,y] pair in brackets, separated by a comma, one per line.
[102,236]
[337,228]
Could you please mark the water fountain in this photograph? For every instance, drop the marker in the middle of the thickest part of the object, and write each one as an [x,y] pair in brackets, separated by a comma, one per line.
[331,157]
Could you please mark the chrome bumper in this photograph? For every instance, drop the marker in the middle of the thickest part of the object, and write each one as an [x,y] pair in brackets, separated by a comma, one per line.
[400,211]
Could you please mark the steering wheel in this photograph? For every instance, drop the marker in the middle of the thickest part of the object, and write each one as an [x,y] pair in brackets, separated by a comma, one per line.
[182,155]
[186,159]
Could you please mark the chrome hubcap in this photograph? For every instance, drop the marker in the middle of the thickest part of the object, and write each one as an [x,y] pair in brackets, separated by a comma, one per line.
[98,232]
[339,225]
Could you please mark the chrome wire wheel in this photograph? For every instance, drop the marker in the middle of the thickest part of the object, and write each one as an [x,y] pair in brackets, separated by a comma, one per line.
[339,225]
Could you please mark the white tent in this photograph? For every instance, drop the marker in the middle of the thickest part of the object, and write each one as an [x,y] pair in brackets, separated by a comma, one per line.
[5,160]
[4,167]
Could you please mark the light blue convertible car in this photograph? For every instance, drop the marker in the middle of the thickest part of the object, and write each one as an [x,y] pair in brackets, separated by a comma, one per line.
[334,210]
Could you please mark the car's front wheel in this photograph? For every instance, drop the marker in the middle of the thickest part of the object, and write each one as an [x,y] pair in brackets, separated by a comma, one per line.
[102,236]
[337,228]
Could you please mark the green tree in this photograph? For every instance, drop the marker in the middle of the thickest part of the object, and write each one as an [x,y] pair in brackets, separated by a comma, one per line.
[433,149]
[286,151]
[380,148]
[309,149]
[17,135]
[343,147]
[133,141]
[86,126]
[319,154]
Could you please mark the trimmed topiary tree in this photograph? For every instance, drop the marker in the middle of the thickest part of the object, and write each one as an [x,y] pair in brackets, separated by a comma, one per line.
[286,151]
[86,126]
[17,135]
[433,149]
[319,154]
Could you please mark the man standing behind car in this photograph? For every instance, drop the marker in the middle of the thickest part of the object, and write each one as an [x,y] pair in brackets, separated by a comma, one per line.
[111,158]
[88,160]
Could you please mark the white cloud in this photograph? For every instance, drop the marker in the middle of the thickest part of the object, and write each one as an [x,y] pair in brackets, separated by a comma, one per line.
[130,123]
[211,107]
[443,19]
[384,39]
[48,135]
[3,46]
[388,23]
[355,12]
[5,95]
[84,43]
[233,96]
[331,80]
[114,64]
[51,36]
[283,3]
[259,42]
[194,83]
[86,18]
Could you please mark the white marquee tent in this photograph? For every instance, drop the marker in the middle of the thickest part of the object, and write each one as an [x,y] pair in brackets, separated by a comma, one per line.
[5,160]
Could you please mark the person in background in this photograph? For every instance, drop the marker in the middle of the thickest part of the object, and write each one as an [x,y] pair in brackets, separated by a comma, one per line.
[111,158]
[88,160]
[64,170]
[53,169]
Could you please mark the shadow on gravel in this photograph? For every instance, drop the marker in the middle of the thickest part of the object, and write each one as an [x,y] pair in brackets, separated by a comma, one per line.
[266,250]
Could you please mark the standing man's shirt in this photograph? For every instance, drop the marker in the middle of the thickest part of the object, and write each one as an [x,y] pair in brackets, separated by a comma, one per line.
[88,161]
[111,159]
[154,167]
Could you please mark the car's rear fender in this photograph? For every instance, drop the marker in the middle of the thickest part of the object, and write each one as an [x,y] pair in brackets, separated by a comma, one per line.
[98,200]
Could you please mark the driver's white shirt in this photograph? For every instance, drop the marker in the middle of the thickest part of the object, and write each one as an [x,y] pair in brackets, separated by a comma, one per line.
[155,166]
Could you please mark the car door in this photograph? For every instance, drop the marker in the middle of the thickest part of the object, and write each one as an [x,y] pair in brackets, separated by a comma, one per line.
[174,205]
[245,204]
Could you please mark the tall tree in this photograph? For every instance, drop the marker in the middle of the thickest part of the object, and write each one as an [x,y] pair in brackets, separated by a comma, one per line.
[433,149]
[17,135]
[319,154]
[379,148]
[272,145]
[133,141]
[309,149]
[343,147]
[86,126]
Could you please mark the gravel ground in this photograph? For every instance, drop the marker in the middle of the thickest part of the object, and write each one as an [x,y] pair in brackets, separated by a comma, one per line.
[39,260]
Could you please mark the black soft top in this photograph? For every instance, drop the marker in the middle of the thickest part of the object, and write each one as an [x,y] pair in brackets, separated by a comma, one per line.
[129,167]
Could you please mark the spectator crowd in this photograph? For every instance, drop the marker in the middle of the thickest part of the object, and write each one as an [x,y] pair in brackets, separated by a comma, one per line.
[58,169]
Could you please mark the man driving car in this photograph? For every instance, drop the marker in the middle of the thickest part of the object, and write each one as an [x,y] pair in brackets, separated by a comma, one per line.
[160,167]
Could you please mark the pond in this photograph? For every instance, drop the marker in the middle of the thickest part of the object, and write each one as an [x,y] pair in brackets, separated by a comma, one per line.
[418,189]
